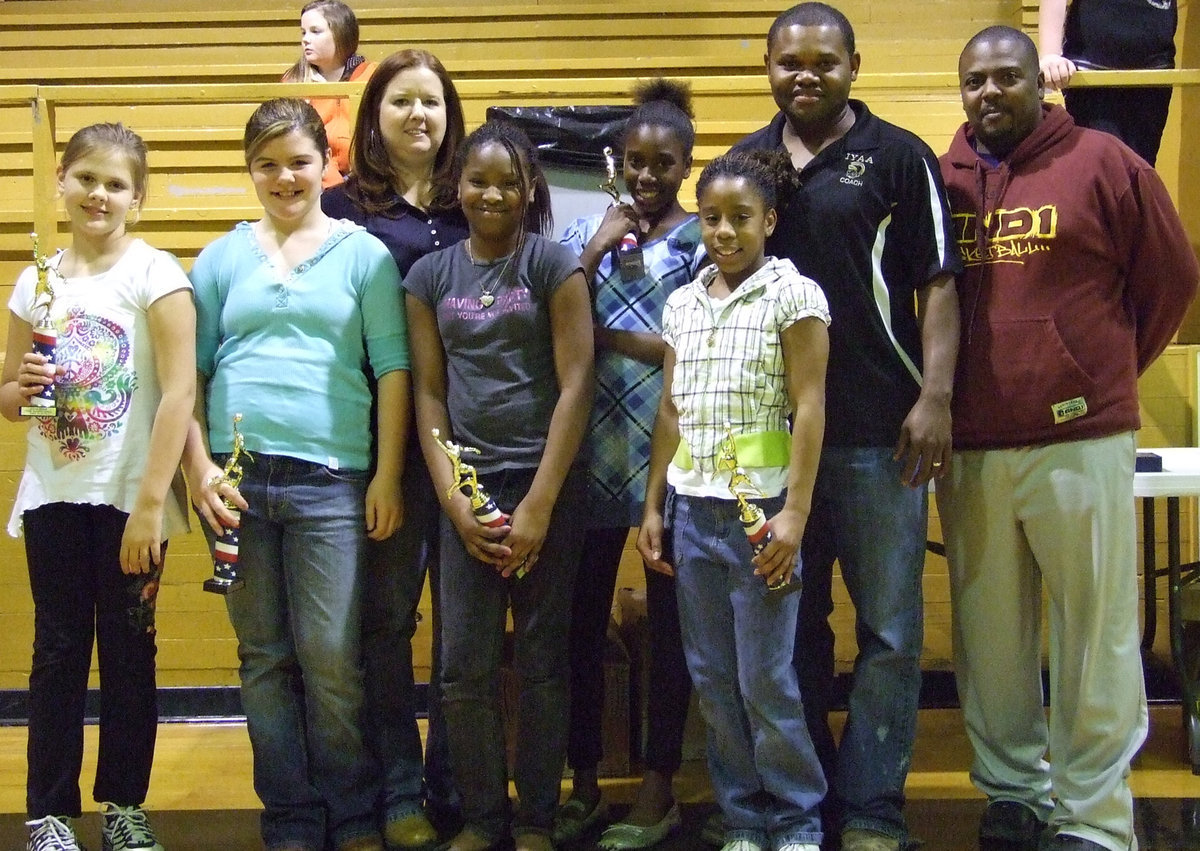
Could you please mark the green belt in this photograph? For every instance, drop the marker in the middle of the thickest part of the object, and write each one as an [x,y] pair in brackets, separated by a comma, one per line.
[758,449]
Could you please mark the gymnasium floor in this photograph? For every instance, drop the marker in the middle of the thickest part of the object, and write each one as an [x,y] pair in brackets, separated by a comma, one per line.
[201,796]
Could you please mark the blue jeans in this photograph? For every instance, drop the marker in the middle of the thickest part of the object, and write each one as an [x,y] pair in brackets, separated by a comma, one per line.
[298,626]
[393,577]
[764,771]
[875,528]
[475,600]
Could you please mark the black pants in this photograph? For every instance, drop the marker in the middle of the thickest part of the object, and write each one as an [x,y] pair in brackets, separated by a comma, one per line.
[79,592]
[1136,115]
[670,683]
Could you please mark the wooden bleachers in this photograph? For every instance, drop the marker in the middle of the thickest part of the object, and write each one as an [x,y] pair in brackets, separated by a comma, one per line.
[498,53]
[177,41]
[186,74]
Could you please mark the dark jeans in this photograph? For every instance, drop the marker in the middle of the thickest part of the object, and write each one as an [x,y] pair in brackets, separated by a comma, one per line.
[475,602]
[79,592]
[591,607]
[874,527]
[394,576]
[667,701]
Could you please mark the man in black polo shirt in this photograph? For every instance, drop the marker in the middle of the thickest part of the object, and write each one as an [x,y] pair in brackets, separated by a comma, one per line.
[869,223]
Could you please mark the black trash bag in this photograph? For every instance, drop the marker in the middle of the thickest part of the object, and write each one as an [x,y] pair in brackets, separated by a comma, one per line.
[569,136]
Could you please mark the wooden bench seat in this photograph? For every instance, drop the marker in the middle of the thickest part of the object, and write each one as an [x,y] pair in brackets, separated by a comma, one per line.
[533,58]
[178,40]
[198,185]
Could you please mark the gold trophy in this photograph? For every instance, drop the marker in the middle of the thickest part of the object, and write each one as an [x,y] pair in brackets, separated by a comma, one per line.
[45,335]
[753,518]
[610,168]
[466,481]
[628,254]
[225,578]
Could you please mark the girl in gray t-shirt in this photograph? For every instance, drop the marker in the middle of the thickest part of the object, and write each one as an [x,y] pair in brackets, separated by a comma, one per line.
[501,333]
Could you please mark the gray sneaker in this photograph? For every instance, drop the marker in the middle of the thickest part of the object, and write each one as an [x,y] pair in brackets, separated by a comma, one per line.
[52,833]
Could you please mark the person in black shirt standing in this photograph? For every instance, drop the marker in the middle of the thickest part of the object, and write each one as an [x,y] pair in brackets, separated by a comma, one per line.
[1111,34]
[869,223]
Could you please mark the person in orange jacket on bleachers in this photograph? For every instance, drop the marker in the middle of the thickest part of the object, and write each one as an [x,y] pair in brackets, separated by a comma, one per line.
[329,53]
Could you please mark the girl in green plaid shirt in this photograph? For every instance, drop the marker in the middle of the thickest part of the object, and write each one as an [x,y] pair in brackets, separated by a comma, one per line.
[746,346]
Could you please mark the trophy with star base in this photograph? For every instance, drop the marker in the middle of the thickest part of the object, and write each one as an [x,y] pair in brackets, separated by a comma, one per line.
[628,254]
[225,578]
[753,518]
[45,335]
[466,481]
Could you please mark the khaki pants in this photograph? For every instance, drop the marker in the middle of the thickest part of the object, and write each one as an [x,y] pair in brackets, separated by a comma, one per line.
[1059,516]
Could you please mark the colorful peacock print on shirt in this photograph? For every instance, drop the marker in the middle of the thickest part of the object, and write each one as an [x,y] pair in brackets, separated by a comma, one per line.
[96,386]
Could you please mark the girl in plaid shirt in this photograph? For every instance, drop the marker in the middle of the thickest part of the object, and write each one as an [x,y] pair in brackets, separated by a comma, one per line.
[746,346]
[627,306]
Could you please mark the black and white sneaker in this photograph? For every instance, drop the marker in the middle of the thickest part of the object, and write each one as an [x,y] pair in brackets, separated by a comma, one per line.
[52,833]
[127,829]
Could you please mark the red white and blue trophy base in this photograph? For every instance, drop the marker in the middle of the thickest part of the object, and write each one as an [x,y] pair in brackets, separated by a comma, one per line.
[43,406]
[225,578]
[758,532]
[490,515]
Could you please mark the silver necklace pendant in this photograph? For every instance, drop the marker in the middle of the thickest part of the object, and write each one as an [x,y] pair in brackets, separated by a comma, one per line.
[486,300]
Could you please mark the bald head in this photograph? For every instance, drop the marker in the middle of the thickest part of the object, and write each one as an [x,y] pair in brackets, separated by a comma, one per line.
[1022,43]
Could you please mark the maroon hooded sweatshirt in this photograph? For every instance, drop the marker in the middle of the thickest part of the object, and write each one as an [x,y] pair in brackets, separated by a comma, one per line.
[1077,274]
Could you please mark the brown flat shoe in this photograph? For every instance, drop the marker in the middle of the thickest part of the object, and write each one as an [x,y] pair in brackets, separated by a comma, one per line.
[533,841]
[467,840]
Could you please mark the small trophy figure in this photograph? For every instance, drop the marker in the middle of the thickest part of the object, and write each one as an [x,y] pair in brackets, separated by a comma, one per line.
[630,261]
[610,169]
[45,335]
[467,482]
[225,578]
[754,519]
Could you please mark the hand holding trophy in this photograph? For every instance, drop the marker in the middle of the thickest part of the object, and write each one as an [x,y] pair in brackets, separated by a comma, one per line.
[45,335]
[630,261]
[225,578]
[466,481]
[753,518]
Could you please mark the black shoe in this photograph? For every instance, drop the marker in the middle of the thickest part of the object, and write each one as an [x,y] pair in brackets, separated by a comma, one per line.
[1066,840]
[445,817]
[1010,826]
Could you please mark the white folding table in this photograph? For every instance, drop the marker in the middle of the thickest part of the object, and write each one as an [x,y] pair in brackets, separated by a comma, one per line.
[1180,477]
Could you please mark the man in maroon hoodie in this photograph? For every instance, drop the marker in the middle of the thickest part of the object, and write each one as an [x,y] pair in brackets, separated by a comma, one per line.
[1077,273]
